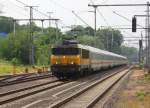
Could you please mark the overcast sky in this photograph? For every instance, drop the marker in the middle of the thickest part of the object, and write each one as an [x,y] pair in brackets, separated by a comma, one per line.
[62,9]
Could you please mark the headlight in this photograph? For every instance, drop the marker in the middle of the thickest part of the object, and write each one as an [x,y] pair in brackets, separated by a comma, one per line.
[78,56]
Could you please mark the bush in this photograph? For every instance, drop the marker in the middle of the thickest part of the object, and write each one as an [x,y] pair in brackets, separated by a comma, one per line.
[147,77]
[141,95]
[15,61]
[141,66]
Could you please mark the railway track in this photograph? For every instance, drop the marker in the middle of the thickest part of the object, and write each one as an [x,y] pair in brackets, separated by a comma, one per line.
[11,80]
[90,95]
[14,77]
[24,92]
[55,90]
[17,76]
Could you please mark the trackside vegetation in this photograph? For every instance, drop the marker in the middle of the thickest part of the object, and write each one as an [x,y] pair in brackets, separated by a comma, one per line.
[18,47]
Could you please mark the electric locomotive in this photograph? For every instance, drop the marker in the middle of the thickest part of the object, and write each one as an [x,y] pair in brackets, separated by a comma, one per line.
[71,59]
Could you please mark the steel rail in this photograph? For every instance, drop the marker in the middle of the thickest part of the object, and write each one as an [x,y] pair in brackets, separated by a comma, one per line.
[26,88]
[65,100]
[94,101]
[22,95]
[5,77]
[24,80]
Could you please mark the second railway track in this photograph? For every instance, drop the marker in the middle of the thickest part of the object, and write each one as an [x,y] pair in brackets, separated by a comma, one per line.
[88,97]
[21,79]
[24,92]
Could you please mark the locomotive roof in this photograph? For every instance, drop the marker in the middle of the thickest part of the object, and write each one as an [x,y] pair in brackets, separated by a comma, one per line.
[100,51]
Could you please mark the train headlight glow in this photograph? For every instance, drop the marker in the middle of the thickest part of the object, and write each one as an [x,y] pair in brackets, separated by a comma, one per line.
[78,56]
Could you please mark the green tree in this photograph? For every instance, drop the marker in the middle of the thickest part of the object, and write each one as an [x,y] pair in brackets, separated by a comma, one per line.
[112,39]
[89,31]
[130,52]
[16,47]
[91,41]
[76,31]
[6,24]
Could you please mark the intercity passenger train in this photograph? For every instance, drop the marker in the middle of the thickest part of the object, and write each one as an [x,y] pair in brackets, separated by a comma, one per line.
[71,59]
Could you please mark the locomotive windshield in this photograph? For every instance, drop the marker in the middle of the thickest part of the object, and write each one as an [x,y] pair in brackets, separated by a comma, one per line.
[65,51]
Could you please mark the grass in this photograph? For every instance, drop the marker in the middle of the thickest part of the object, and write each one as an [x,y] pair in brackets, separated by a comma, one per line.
[7,68]
[147,77]
[140,95]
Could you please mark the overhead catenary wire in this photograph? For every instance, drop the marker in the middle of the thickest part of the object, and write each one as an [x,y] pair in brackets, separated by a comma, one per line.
[44,13]
[18,6]
[36,10]
[58,4]
[5,4]
[105,1]
[125,18]
[73,12]
[33,8]
[129,34]
[133,37]
[122,5]
[67,9]
[100,14]
[81,19]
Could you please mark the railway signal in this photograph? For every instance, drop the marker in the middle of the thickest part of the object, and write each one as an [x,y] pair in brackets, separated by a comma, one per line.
[134,24]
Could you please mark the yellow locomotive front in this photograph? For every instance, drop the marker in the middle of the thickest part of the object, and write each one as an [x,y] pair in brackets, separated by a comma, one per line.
[65,60]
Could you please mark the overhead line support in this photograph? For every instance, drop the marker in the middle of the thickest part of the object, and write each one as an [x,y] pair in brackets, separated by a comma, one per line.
[95,7]
[31,46]
[117,5]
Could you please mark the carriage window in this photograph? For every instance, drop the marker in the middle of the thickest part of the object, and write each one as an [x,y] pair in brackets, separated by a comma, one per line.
[65,51]
[85,53]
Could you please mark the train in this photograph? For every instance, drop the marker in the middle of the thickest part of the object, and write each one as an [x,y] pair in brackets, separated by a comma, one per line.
[72,60]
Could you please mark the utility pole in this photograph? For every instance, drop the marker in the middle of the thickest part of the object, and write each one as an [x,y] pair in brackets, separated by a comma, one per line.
[146,45]
[31,46]
[50,18]
[49,23]
[95,8]
[14,23]
[95,19]
[107,44]
[148,34]
[112,40]
[142,54]
[56,23]
[140,51]
[14,34]
[42,26]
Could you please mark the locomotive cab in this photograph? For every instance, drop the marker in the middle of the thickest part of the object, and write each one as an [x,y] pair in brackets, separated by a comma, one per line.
[65,60]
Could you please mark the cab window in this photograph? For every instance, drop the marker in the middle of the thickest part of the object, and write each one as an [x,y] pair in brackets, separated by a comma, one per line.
[85,53]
